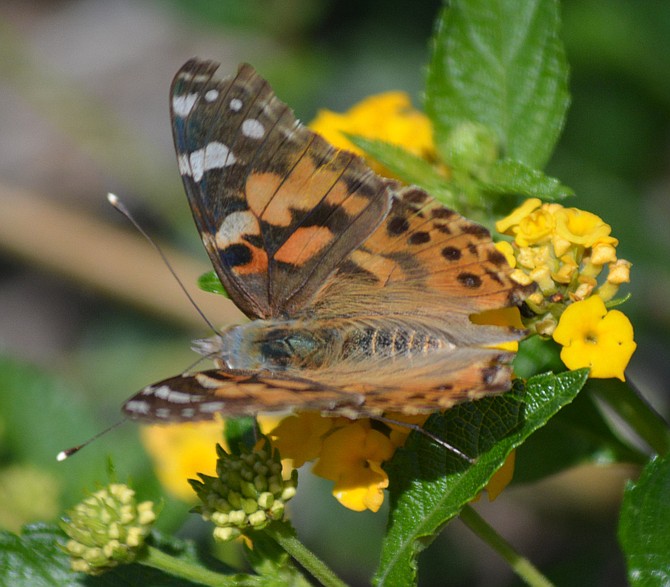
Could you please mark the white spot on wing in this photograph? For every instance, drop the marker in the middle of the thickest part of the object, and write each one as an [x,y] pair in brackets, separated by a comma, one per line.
[170,395]
[253,129]
[206,381]
[182,105]
[214,156]
[161,392]
[211,407]
[163,413]
[137,406]
[234,226]
[187,413]
[235,104]
[211,95]
[184,165]
[198,78]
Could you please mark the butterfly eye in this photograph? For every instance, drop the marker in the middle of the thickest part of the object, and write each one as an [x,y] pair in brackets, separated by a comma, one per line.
[292,347]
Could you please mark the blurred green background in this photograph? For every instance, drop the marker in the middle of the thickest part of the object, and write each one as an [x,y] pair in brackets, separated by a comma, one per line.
[88,314]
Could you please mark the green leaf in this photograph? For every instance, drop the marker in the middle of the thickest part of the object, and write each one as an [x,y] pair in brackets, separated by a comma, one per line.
[409,168]
[500,63]
[644,526]
[211,283]
[34,559]
[429,485]
[513,177]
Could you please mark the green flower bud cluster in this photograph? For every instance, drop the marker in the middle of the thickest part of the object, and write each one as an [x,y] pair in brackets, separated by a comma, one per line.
[248,492]
[107,529]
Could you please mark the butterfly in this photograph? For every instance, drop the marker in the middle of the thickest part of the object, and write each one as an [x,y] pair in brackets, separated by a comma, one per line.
[359,290]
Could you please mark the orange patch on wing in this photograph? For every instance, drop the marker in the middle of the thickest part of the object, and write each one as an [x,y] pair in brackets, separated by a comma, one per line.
[302,189]
[350,202]
[304,244]
[260,189]
[379,266]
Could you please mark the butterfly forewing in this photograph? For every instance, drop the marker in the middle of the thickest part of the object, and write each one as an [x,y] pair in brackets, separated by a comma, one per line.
[277,207]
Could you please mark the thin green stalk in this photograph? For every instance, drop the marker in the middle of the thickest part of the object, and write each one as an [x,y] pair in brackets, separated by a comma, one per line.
[520,565]
[286,538]
[187,570]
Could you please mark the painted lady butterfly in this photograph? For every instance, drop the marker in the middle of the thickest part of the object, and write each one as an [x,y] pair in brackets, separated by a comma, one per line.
[359,289]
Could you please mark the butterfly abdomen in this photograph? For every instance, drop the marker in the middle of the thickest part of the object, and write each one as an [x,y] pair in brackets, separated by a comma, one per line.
[389,342]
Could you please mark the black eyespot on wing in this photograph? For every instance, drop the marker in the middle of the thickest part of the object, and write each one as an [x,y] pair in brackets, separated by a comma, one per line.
[419,238]
[496,257]
[476,230]
[470,280]
[451,253]
[415,196]
[235,255]
[397,225]
[442,213]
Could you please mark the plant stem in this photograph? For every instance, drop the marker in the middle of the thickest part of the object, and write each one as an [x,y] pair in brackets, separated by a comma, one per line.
[284,536]
[184,569]
[520,565]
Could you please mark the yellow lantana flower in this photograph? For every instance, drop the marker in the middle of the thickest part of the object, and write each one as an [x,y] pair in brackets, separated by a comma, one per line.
[352,457]
[517,215]
[299,437]
[567,252]
[596,338]
[180,451]
[387,117]
[502,477]
[580,227]
[536,228]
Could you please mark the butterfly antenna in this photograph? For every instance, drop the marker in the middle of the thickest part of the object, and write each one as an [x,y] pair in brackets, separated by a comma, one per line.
[436,439]
[66,454]
[114,201]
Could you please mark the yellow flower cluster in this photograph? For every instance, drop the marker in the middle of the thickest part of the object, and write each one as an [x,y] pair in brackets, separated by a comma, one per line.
[387,117]
[350,453]
[564,251]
